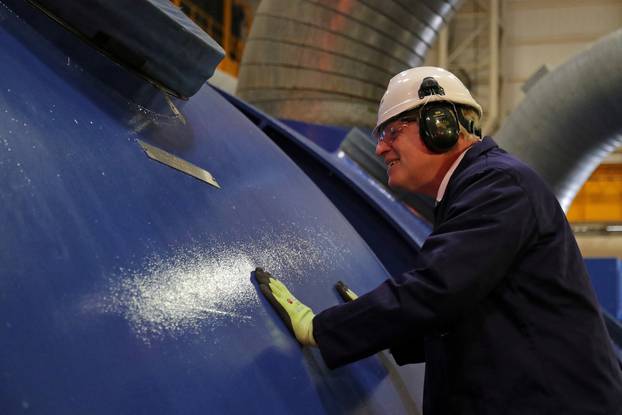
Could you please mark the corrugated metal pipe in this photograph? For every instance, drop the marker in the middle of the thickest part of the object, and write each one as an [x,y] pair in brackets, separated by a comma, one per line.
[329,62]
[571,118]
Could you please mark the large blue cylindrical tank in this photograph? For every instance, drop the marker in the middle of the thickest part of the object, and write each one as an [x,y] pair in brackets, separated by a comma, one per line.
[125,282]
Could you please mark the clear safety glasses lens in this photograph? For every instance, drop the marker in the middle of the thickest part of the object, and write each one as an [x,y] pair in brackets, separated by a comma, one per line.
[389,133]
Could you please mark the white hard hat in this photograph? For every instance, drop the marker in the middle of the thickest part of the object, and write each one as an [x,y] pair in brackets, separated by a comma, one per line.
[403,92]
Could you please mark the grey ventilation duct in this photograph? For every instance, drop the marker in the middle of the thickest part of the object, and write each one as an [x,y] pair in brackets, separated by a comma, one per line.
[329,62]
[571,118]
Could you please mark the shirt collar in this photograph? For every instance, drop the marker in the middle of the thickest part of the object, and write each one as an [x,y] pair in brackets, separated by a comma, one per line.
[450,172]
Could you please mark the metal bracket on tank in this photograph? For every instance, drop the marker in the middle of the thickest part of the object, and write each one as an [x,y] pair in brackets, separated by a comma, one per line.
[175,162]
[174,109]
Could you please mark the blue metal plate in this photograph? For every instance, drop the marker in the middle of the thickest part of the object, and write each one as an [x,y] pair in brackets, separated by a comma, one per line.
[125,284]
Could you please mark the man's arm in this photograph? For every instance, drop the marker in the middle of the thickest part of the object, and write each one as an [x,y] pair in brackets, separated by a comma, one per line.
[405,351]
[488,223]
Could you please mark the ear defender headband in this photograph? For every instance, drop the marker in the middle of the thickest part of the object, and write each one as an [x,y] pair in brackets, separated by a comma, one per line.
[439,122]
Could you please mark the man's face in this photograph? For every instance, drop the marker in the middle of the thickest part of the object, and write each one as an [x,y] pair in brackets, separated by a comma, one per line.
[410,164]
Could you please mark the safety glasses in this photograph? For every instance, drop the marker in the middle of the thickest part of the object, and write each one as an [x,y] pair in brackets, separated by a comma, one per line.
[391,131]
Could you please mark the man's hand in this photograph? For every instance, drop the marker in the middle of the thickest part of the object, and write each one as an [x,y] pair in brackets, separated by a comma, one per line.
[296,316]
[345,292]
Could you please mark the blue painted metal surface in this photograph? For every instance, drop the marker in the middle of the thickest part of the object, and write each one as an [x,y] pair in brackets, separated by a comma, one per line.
[125,284]
[151,47]
[314,139]
[364,191]
[606,276]
[326,136]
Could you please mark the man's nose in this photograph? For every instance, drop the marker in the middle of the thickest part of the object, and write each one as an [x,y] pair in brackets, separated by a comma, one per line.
[381,147]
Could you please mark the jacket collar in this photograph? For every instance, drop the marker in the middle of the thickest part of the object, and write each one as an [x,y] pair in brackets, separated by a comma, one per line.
[480,148]
[477,150]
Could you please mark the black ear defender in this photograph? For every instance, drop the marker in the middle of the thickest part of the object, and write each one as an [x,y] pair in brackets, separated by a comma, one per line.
[439,126]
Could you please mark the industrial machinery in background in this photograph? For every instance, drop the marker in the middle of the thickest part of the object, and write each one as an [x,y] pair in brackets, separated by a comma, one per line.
[328,63]
[137,200]
[228,22]
[317,63]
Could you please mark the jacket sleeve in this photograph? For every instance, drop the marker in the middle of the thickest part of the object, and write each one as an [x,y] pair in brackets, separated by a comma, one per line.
[409,350]
[488,220]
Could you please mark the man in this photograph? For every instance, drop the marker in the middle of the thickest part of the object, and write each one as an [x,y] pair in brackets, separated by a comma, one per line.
[499,304]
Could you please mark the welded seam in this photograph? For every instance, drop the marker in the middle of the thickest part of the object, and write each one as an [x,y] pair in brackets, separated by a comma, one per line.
[365,23]
[305,99]
[322,28]
[329,91]
[315,69]
[427,6]
[406,10]
[329,51]
[339,34]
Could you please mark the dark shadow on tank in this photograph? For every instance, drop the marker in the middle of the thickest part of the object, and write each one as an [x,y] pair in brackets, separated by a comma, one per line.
[339,391]
[375,369]
[345,390]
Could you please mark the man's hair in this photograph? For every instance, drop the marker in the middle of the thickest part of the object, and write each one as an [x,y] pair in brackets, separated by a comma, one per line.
[470,115]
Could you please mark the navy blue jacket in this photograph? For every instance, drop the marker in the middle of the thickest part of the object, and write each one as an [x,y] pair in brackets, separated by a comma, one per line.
[499,304]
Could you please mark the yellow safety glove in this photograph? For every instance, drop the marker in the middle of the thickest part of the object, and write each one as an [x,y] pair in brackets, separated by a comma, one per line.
[345,292]
[296,316]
